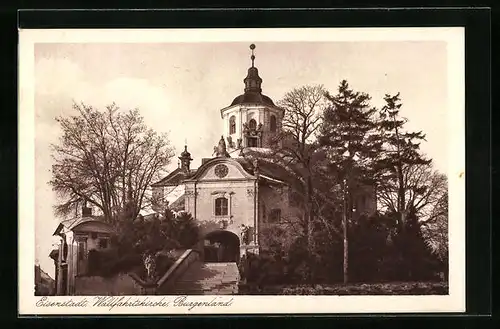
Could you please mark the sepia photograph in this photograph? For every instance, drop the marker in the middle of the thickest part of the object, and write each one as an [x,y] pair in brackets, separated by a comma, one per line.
[200,168]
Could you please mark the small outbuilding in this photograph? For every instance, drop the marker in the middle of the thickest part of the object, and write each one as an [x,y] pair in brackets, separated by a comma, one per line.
[78,236]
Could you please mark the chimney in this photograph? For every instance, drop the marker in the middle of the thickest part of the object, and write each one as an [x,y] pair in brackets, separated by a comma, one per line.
[86,211]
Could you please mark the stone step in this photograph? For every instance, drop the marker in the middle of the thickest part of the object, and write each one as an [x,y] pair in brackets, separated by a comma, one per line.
[209,279]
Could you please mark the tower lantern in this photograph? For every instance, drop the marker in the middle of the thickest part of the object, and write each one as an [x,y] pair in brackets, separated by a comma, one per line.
[185,160]
[253,82]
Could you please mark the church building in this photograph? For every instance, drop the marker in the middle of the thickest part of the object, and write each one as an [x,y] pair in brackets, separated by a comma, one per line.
[237,193]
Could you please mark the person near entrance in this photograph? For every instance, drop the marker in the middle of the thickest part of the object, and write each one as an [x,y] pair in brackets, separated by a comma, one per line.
[220,251]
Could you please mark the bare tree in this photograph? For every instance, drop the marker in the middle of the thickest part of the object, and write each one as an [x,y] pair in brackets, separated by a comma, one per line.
[295,145]
[435,228]
[107,159]
[423,188]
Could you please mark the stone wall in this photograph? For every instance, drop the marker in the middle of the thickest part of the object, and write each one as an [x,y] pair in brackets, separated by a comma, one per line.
[121,284]
[275,198]
[168,280]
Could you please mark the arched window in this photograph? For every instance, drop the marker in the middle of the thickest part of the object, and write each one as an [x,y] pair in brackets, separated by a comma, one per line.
[272,123]
[221,207]
[232,125]
[252,124]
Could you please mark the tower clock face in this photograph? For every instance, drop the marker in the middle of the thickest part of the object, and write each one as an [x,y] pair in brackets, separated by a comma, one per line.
[221,170]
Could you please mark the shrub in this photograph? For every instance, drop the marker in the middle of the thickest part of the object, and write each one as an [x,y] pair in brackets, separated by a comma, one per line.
[181,228]
[110,262]
[265,269]
[164,261]
[156,235]
[410,288]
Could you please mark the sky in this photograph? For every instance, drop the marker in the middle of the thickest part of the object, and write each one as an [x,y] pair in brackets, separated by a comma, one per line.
[180,88]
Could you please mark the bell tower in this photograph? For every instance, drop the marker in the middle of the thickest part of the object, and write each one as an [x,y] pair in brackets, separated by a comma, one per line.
[252,119]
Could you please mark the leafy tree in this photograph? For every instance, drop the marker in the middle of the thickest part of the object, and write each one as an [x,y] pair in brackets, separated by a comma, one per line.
[369,251]
[278,239]
[181,228]
[107,159]
[417,262]
[158,232]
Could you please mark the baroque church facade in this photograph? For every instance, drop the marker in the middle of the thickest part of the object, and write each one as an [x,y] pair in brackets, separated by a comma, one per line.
[236,194]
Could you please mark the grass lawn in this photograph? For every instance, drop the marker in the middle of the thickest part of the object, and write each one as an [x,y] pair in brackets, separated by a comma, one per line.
[390,288]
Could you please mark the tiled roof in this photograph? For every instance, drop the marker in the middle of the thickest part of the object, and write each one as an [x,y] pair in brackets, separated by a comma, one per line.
[174,178]
[279,172]
[246,164]
[252,98]
[178,204]
[69,224]
[267,168]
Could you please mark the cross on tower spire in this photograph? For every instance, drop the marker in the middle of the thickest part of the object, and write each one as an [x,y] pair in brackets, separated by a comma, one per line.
[253,81]
[252,47]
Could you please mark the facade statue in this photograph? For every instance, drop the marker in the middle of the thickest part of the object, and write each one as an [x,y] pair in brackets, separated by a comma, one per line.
[220,150]
[244,232]
[230,142]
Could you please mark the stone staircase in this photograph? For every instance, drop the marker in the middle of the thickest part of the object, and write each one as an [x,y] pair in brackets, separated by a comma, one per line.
[207,279]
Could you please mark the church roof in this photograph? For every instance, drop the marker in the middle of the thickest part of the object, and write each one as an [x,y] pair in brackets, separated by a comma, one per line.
[253,87]
[269,170]
[178,204]
[174,178]
[278,172]
[70,224]
[253,98]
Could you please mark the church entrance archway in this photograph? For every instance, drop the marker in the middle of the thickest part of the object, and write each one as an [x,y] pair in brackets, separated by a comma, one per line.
[221,246]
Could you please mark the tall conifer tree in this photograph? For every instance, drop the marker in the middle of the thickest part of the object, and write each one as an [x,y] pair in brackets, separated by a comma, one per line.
[401,148]
[352,144]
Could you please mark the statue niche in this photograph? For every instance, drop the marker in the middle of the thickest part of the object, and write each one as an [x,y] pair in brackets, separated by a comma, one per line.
[252,133]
